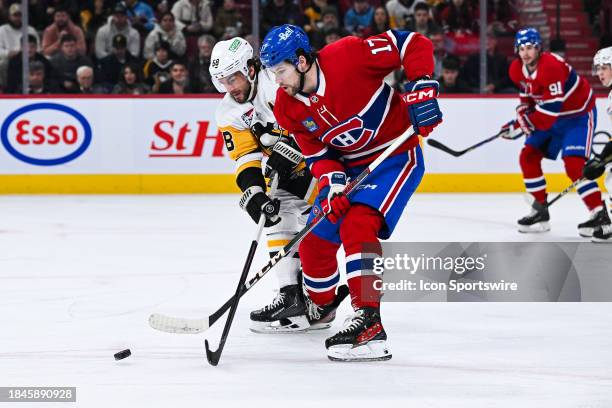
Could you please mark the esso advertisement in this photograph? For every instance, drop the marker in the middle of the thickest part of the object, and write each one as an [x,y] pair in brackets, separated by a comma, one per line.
[46,134]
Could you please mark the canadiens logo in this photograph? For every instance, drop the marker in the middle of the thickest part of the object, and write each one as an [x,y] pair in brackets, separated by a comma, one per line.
[310,124]
[349,135]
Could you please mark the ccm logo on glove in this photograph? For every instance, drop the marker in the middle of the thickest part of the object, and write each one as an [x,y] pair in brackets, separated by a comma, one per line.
[420,95]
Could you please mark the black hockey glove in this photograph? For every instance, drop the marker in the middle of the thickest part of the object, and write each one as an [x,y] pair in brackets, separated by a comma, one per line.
[255,202]
[284,159]
[594,168]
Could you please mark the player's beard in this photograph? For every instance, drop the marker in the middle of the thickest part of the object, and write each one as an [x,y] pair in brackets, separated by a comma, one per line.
[290,89]
[242,96]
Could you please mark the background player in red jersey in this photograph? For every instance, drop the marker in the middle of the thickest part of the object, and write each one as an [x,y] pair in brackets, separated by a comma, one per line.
[343,115]
[557,114]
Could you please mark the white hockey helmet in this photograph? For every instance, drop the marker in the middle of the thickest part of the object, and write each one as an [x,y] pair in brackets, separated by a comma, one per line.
[602,57]
[228,57]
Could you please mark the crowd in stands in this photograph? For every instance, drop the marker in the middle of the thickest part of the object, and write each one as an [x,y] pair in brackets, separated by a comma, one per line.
[164,46]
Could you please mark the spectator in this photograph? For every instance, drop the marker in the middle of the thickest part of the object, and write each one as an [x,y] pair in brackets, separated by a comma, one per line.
[497,80]
[69,6]
[157,69]
[423,23]
[358,17]
[39,84]
[66,62]
[130,82]
[195,15]
[440,53]
[10,39]
[62,25]
[198,69]
[228,17]
[279,12]
[165,31]
[380,22]
[179,80]
[450,82]
[94,17]
[401,12]
[117,24]
[331,35]
[314,14]
[85,81]
[141,15]
[15,66]
[329,21]
[457,17]
[109,67]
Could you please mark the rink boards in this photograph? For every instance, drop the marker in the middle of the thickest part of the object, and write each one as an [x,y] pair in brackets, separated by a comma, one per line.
[172,145]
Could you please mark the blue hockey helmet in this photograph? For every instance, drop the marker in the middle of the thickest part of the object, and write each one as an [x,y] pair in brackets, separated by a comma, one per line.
[282,44]
[527,36]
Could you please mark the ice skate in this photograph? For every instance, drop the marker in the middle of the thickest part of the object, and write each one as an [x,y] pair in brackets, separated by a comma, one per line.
[286,314]
[536,221]
[362,339]
[598,219]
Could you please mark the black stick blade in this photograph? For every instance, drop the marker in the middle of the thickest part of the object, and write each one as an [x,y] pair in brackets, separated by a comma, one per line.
[212,356]
[444,148]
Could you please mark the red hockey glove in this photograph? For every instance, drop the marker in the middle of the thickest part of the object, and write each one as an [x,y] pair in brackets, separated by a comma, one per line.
[523,120]
[511,130]
[333,201]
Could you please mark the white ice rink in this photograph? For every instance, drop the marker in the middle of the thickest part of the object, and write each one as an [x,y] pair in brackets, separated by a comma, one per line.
[79,276]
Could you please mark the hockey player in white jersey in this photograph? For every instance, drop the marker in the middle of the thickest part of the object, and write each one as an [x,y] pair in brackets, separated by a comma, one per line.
[594,168]
[251,134]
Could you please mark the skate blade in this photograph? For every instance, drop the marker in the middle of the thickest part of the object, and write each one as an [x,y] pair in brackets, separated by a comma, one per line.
[539,227]
[601,240]
[297,324]
[372,351]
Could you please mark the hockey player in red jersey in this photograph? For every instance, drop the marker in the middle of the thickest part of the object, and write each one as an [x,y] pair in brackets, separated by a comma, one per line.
[557,114]
[343,115]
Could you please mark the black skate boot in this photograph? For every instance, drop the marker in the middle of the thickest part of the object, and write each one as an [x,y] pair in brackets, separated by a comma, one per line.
[598,219]
[536,221]
[320,317]
[603,234]
[362,339]
[286,313]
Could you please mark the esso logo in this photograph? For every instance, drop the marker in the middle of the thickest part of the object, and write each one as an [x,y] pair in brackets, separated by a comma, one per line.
[46,134]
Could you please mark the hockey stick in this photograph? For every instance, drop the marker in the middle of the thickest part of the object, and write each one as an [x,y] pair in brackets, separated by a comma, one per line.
[457,153]
[538,206]
[193,326]
[214,356]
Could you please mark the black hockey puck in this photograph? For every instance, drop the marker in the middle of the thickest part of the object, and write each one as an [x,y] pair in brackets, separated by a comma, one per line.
[123,354]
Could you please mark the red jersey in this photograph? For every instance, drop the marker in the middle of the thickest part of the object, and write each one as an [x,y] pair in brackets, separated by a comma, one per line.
[554,90]
[353,115]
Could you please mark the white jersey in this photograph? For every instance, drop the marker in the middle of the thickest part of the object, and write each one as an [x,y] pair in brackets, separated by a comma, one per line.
[235,119]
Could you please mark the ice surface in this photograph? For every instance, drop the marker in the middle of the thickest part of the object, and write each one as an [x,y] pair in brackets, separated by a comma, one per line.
[79,276]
